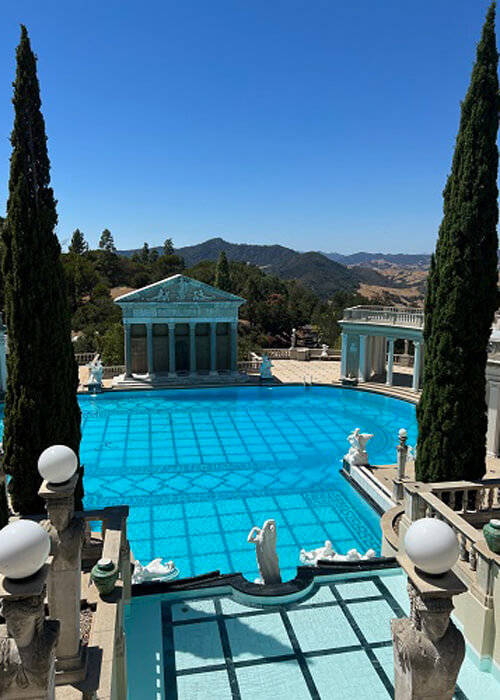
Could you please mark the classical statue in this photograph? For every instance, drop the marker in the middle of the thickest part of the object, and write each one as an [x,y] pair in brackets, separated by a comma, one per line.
[324,351]
[264,539]
[265,368]
[96,371]
[154,571]
[357,454]
[293,342]
[428,649]
[327,553]
[27,654]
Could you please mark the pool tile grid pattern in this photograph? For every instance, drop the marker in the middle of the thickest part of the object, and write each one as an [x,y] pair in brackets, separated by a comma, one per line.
[337,644]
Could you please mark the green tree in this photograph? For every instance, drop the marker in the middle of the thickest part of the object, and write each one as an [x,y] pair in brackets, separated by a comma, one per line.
[222,276]
[106,242]
[145,254]
[168,247]
[78,245]
[41,407]
[462,288]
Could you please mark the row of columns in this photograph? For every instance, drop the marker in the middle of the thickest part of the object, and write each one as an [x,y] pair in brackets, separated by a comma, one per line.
[233,345]
[370,353]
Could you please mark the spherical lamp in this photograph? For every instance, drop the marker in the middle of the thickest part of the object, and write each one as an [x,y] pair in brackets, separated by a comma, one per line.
[57,464]
[431,545]
[24,548]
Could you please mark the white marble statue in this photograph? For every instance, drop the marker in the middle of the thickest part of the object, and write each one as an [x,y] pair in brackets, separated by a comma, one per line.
[265,368]
[154,571]
[293,339]
[324,351]
[96,371]
[327,553]
[357,454]
[264,539]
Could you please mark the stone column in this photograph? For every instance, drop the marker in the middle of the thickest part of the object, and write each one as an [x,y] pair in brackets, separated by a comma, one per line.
[213,348]
[428,648]
[171,349]
[64,581]
[362,358]
[128,350]
[234,347]
[390,360]
[149,344]
[27,671]
[343,358]
[416,365]
[192,347]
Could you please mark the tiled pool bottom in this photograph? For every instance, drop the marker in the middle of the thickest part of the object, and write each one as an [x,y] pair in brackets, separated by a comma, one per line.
[200,467]
[336,645]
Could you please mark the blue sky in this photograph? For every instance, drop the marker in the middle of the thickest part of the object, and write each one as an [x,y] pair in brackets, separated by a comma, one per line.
[317,124]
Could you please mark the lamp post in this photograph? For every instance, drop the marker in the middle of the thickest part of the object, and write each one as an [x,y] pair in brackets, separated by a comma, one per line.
[57,466]
[27,645]
[428,648]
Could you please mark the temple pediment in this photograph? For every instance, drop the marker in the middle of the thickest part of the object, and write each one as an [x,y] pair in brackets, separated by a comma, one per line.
[178,288]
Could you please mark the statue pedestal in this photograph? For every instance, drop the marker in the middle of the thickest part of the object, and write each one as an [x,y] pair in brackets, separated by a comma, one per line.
[27,671]
[94,388]
[428,648]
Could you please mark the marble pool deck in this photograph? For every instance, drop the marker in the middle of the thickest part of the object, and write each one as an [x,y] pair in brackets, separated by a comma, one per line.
[335,644]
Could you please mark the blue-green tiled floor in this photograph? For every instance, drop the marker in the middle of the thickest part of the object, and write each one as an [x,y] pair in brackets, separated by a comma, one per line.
[336,645]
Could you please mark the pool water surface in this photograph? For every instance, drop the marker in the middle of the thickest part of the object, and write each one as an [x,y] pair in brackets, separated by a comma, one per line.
[200,468]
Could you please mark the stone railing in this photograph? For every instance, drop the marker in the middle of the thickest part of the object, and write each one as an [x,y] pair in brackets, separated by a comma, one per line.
[277,353]
[395,315]
[460,504]
[106,647]
[404,360]
[249,366]
[83,358]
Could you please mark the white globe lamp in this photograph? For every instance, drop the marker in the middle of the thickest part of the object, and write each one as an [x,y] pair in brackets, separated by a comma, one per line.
[431,545]
[24,548]
[57,464]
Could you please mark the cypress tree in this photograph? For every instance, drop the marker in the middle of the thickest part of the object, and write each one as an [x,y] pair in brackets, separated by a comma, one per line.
[41,406]
[222,276]
[462,290]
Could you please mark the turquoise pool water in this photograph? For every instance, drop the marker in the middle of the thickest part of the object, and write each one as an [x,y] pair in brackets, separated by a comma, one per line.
[199,468]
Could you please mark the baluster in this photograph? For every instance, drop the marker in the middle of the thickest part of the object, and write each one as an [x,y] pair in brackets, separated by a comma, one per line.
[465,498]
[478,499]
[462,547]
[491,496]
[473,558]
[429,512]
[452,499]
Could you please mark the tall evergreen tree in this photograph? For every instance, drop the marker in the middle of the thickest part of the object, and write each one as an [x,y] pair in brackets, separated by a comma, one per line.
[41,407]
[106,242]
[222,276]
[168,247]
[78,245]
[462,290]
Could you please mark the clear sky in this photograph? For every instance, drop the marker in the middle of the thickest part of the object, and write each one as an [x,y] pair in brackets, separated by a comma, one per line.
[317,124]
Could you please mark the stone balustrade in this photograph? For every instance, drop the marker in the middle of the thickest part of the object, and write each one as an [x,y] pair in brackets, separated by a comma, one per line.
[277,353]
[249,366]
[83,358]
[394,315]
[464,506]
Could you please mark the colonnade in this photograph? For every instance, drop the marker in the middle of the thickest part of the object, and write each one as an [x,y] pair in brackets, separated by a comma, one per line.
[180,345]
[364,355]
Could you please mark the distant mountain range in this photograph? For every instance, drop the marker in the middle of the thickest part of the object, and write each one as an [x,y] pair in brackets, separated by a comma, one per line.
[370,259]
[314,270]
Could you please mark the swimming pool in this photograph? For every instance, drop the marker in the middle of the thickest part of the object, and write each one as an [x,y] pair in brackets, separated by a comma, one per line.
[200,467]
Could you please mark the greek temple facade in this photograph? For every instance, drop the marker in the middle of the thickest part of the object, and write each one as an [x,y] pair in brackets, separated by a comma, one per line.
[179,327]
[368,337]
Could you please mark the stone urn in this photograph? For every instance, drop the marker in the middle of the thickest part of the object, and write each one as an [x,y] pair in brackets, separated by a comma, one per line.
[104,574]
[491,532]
